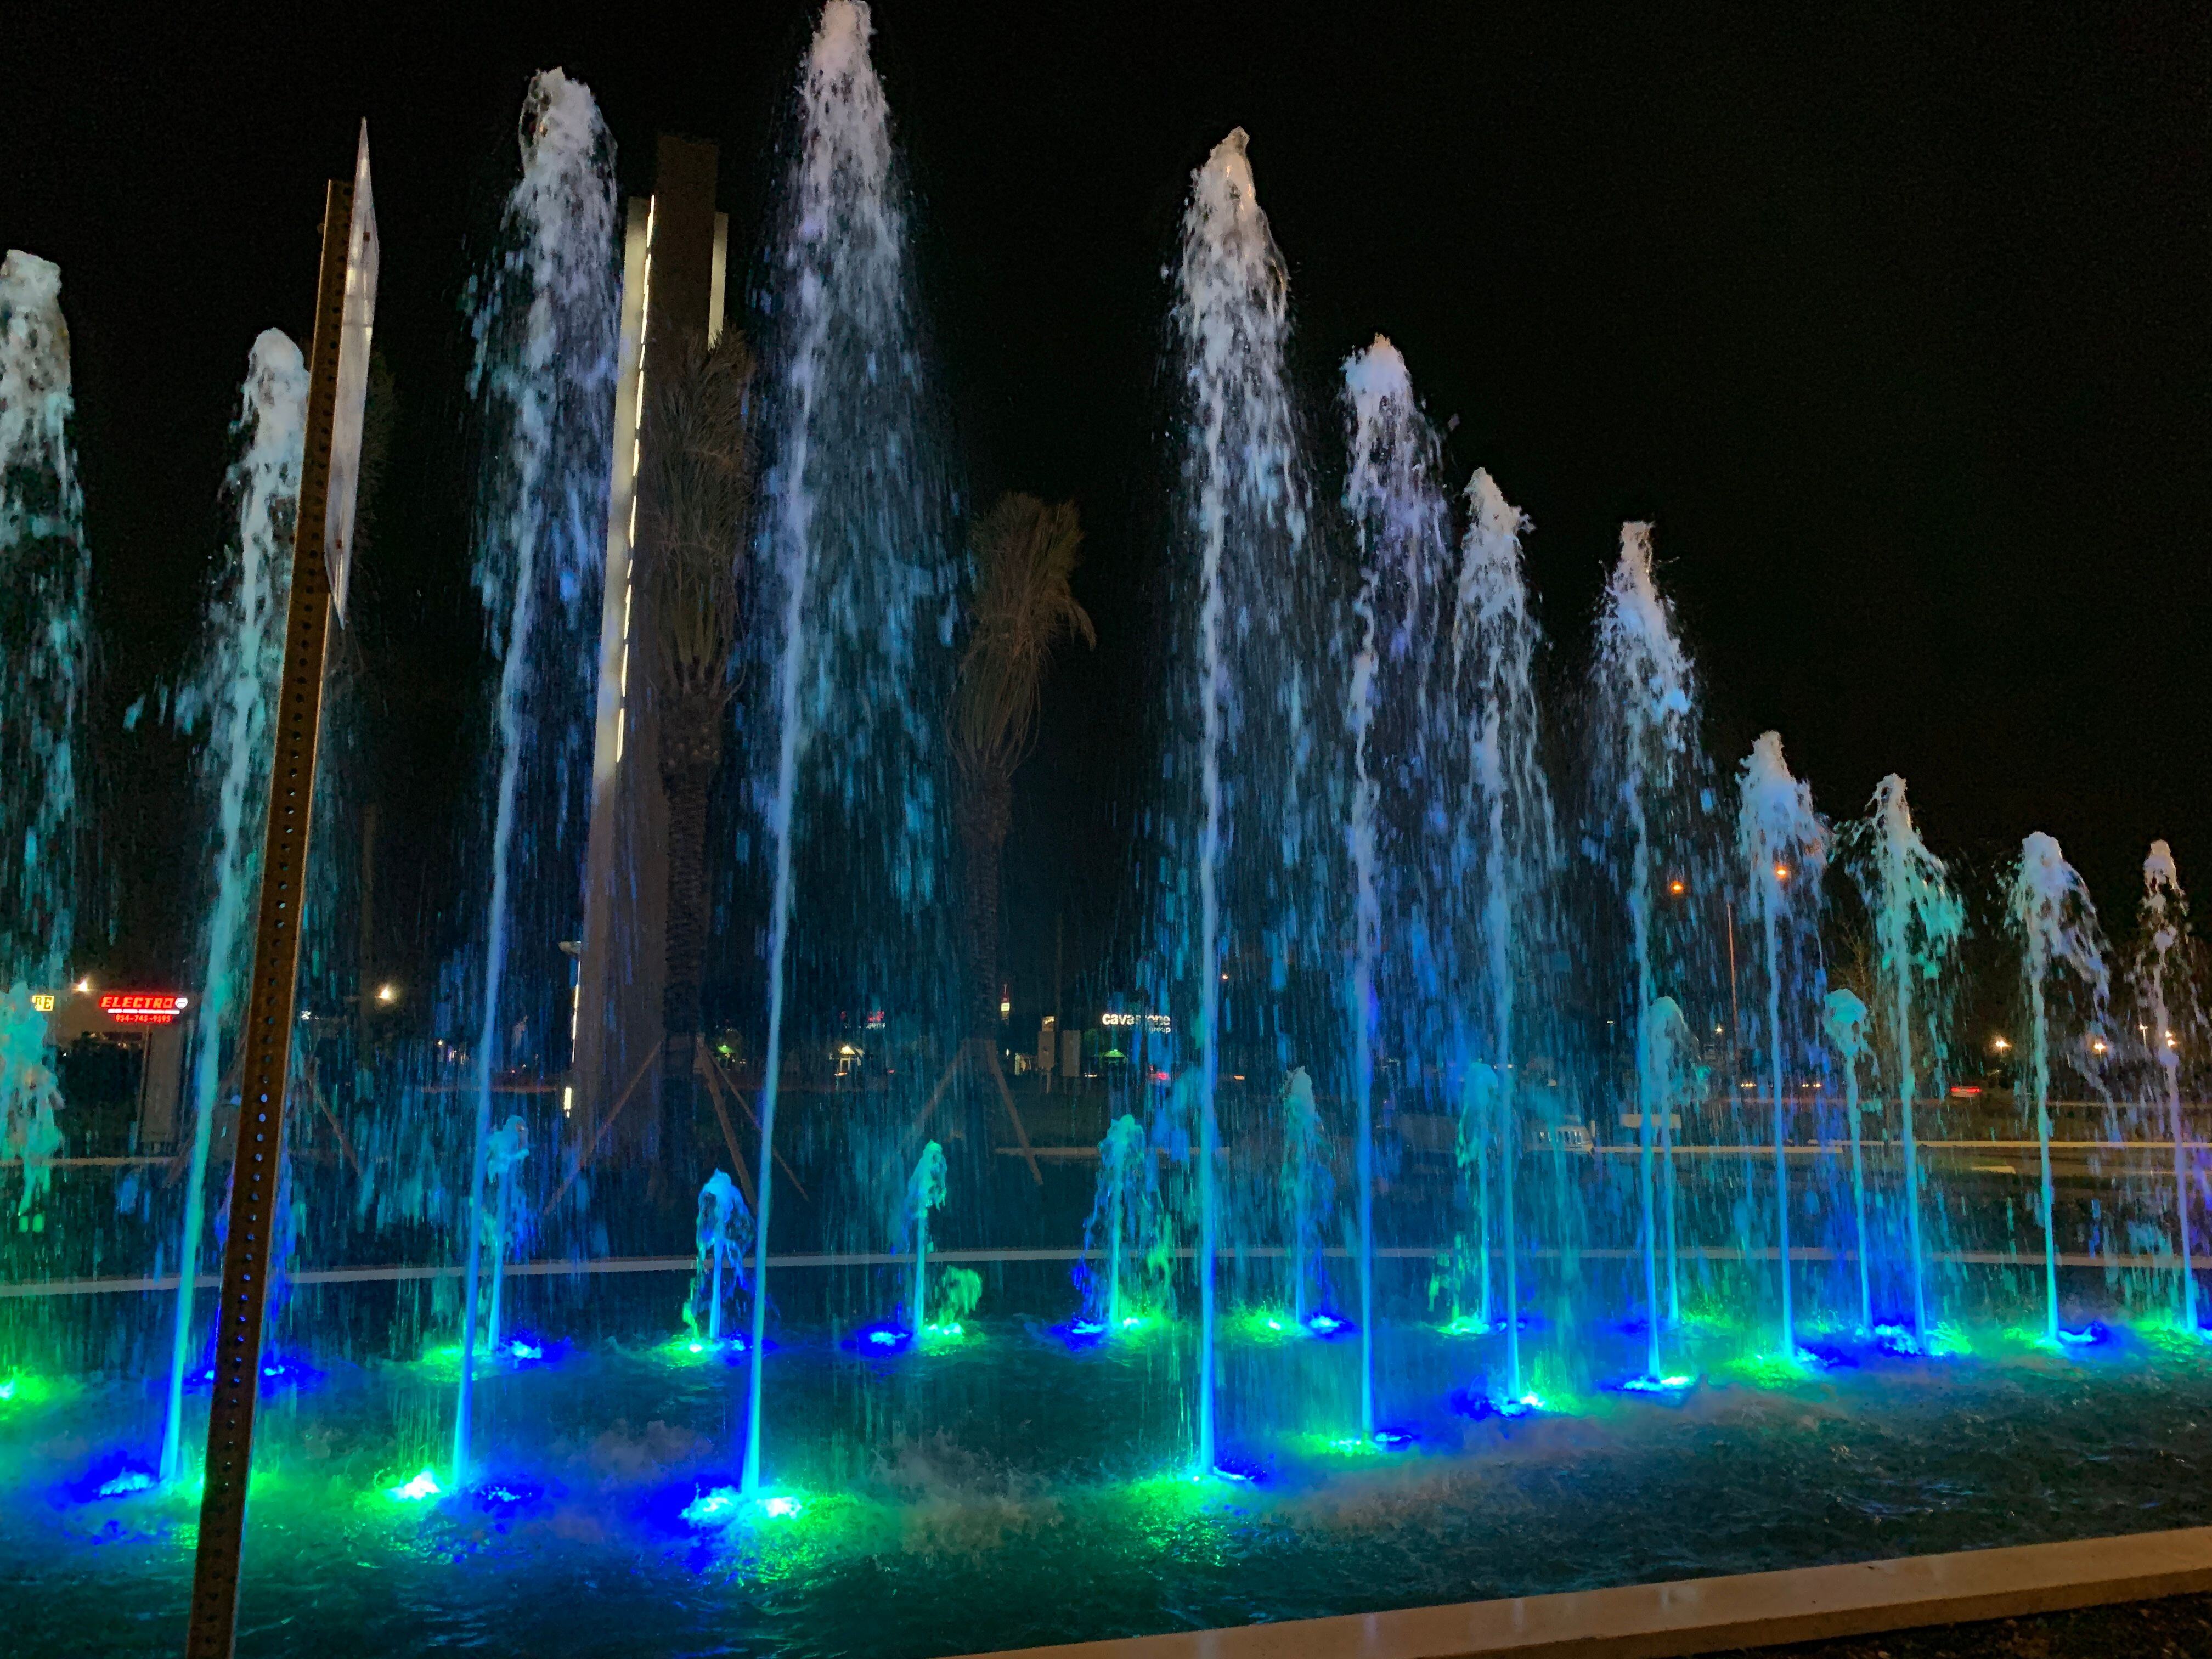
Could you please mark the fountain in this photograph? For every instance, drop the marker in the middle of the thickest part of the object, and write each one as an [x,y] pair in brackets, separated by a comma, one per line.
[47,567]
[924,1191]
[1239,687]
[1843,1022]
[231,694]
[1917,920]
[2050,908]
[1476,1132]
[860,611]
[1125,1213]
[723,1233]
[1673,1050]
[2162,987]
[1645,762]
[1506,844]
[504,1151]
[1562,1019]
[28,1100]
[1403,530]
[1308,1186]
[43,649]
[544,328]
[1784,847]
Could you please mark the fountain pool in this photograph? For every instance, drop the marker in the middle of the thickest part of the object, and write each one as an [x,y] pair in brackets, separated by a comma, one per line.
[1003,1488]
[1546,1154]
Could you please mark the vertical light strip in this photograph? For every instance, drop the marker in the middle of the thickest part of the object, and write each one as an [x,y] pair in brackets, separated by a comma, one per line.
[637,455]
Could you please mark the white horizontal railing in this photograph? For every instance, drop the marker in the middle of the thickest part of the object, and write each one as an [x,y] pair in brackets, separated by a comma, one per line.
[670,1264]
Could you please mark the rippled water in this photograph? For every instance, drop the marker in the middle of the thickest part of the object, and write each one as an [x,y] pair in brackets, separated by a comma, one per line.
[1004,1491]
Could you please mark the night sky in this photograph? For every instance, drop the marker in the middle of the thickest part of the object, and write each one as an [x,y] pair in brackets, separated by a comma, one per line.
[1895,325]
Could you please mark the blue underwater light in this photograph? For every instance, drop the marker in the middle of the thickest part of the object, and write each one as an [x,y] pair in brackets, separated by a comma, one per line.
[1240,1470]
[1893,1337]
[882,1339]
[1330,1326]
[278,1370]
[1469,1403]
[506,1496]
[1828,1355]
[1664,1388]
[114,1474]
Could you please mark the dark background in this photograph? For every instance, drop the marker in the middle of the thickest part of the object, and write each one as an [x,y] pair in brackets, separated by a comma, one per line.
[1894,323]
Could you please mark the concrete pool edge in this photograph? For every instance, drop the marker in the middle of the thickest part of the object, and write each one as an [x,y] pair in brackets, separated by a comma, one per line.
[1688,1616]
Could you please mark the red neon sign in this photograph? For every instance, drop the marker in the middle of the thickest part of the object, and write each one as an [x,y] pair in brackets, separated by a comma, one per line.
[142,1007]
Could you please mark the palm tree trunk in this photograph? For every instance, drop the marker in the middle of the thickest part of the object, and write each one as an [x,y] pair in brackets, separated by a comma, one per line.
[985,812]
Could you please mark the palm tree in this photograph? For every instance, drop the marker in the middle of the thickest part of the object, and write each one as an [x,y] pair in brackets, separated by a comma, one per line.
[700,490]
[1025,549]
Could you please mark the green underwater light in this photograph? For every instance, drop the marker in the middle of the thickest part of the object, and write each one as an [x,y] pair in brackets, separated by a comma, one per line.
[26,1389]
[723,1505]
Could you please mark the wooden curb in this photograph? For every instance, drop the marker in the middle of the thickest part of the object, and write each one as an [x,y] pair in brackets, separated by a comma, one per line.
[1701,1615]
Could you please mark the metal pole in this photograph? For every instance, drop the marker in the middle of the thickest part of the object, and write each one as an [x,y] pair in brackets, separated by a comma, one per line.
[269,1004]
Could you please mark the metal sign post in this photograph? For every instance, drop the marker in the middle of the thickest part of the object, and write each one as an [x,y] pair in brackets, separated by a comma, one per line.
[269,1001]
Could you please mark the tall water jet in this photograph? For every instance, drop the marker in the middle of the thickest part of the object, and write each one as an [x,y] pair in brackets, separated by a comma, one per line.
[2049,904]
[924,1191]
[2167,995]
[1398,516]
[1507,842]
[1645,760]
[862,606]
[1784,847]
[1918,920]
[544,370]
[722,1233]
[46,566]
[1843,1022]
[1308,1186]
[1234,689]
[231,699]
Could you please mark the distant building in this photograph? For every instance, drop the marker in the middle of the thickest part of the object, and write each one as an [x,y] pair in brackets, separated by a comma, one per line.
[675,260]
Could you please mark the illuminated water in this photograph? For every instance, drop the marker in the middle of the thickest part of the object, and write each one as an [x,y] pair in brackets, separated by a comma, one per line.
[1244,711]
[1917,920]
[1496,1127]
[544,369]
[228,707]
[859,611]
[45,566]
[2057,924]
[912,1528]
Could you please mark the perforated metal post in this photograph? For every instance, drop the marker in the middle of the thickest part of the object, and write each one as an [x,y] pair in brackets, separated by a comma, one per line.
[270,1005]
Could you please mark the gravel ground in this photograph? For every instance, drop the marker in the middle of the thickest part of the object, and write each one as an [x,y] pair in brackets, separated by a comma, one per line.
[2175,1627]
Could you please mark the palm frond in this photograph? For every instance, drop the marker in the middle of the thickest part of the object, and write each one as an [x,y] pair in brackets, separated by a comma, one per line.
[1025,551]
